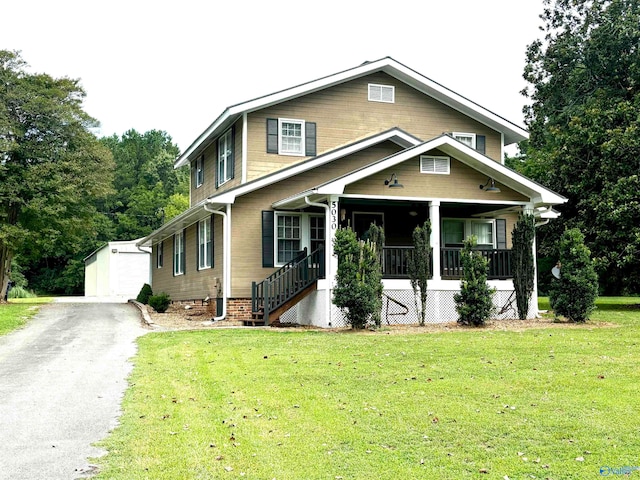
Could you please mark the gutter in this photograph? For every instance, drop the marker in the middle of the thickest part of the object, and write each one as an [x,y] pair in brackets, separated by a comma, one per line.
[226,256]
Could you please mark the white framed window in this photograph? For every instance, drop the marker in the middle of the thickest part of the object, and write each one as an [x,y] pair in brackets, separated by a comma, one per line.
[225,157]
[288,237]
[178,253]
[295,232]
[456,230]
[205,244]
[290,137]
[382,93]
[435,165]
[199,175]
[466,138]
[160,255]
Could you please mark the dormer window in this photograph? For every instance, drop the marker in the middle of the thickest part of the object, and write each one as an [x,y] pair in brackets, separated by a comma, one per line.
[382,93]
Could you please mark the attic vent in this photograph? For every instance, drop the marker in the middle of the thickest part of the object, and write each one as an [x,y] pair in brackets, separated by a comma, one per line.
[382,93]
[435,165]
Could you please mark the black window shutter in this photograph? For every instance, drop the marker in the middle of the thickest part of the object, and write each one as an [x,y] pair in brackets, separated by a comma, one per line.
[481,141]
[184,251]
[212,240]
[272,135]
[216,164]
[197,246]
[501,233]
[310,139]
[267,238]
[231,160]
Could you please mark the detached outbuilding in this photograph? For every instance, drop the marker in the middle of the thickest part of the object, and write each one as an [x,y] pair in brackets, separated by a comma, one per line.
[118,270]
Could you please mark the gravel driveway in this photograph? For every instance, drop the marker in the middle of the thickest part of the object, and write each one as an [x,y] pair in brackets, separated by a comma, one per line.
[62,378]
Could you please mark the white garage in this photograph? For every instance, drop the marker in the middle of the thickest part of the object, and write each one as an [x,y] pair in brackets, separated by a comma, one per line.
[117,271]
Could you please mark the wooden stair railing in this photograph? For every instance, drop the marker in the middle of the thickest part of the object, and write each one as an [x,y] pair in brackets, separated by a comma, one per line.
[286,286]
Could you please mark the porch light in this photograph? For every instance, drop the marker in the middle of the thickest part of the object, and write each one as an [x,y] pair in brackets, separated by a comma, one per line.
[492,188]
[394,179]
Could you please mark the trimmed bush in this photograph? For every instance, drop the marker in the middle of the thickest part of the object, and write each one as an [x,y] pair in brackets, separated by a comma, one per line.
[358,280]
[474,303]
[160,302]
[145,293]
[522,236]
[574,295]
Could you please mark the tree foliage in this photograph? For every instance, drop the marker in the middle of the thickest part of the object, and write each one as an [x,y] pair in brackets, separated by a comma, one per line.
[574,294]
[146,184]
[52,167]
[474,303]
[522,236]
[584,120]
[358,279]
[419,266]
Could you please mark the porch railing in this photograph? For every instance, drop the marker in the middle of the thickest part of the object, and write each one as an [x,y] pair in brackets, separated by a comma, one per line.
[287,282]
[395,262]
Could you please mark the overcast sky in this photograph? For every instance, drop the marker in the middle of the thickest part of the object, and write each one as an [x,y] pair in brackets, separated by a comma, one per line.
[175,66]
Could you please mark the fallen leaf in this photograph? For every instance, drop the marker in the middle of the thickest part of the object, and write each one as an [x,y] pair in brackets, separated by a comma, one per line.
[229,469]
[579,459]
[483,470]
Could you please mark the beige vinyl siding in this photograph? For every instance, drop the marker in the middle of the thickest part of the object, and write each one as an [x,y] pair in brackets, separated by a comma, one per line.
[246,243]
[343,115]
[463,182]
[208,188]
[194,284]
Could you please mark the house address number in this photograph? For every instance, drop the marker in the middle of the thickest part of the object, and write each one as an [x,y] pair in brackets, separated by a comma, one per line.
[334,215]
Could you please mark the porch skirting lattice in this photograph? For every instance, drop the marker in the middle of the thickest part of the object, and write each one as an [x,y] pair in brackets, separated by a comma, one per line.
[398,308]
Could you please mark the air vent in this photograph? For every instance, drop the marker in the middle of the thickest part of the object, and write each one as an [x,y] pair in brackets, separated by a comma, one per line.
[382,93]
[435,165]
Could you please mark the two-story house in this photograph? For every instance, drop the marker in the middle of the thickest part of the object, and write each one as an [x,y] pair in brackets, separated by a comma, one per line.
[274,177]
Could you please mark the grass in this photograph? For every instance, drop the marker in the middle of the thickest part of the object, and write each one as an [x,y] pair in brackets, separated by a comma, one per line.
[17,312]
[553,403]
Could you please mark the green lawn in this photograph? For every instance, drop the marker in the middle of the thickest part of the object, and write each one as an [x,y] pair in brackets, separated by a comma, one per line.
[17,312]
[553,403]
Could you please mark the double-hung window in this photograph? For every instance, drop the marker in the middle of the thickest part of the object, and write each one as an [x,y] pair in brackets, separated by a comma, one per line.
[205,244]
[291,138]
[178,253]
[466,138]
[455,231]
[199,174]
[160,255]
[289,237]
[225,157]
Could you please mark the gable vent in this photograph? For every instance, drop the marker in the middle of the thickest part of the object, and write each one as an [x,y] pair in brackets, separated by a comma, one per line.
[382,93]
[435,165]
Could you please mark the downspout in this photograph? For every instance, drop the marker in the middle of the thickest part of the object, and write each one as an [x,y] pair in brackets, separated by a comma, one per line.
[226,255]
[327,268]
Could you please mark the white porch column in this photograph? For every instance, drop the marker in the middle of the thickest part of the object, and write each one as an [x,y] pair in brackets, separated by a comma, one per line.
[333,223]
[434,216]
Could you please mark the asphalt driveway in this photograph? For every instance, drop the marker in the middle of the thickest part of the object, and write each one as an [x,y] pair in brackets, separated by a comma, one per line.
[61,383]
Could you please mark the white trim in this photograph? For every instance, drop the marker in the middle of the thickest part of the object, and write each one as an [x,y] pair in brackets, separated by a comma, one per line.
[458,135]
[379,96]
[512,132]
[435,170]
[292,121]
[245,141]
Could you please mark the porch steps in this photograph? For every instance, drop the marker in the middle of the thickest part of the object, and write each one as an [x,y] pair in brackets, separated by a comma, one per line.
[257,318]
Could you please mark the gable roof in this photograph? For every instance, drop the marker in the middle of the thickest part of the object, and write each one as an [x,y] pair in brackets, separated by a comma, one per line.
[197,211]
[540,195]
[511,132]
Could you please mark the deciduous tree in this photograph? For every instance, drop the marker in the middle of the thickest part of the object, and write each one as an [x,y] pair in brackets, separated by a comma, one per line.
[52,167]
[584,120]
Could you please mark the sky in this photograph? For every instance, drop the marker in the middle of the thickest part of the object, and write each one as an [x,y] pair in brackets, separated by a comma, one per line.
[175,66]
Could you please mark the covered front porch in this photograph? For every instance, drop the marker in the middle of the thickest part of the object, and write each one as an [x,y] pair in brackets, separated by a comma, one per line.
[451,223]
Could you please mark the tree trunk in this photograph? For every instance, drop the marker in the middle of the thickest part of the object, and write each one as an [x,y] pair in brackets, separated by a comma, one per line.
[5,269]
